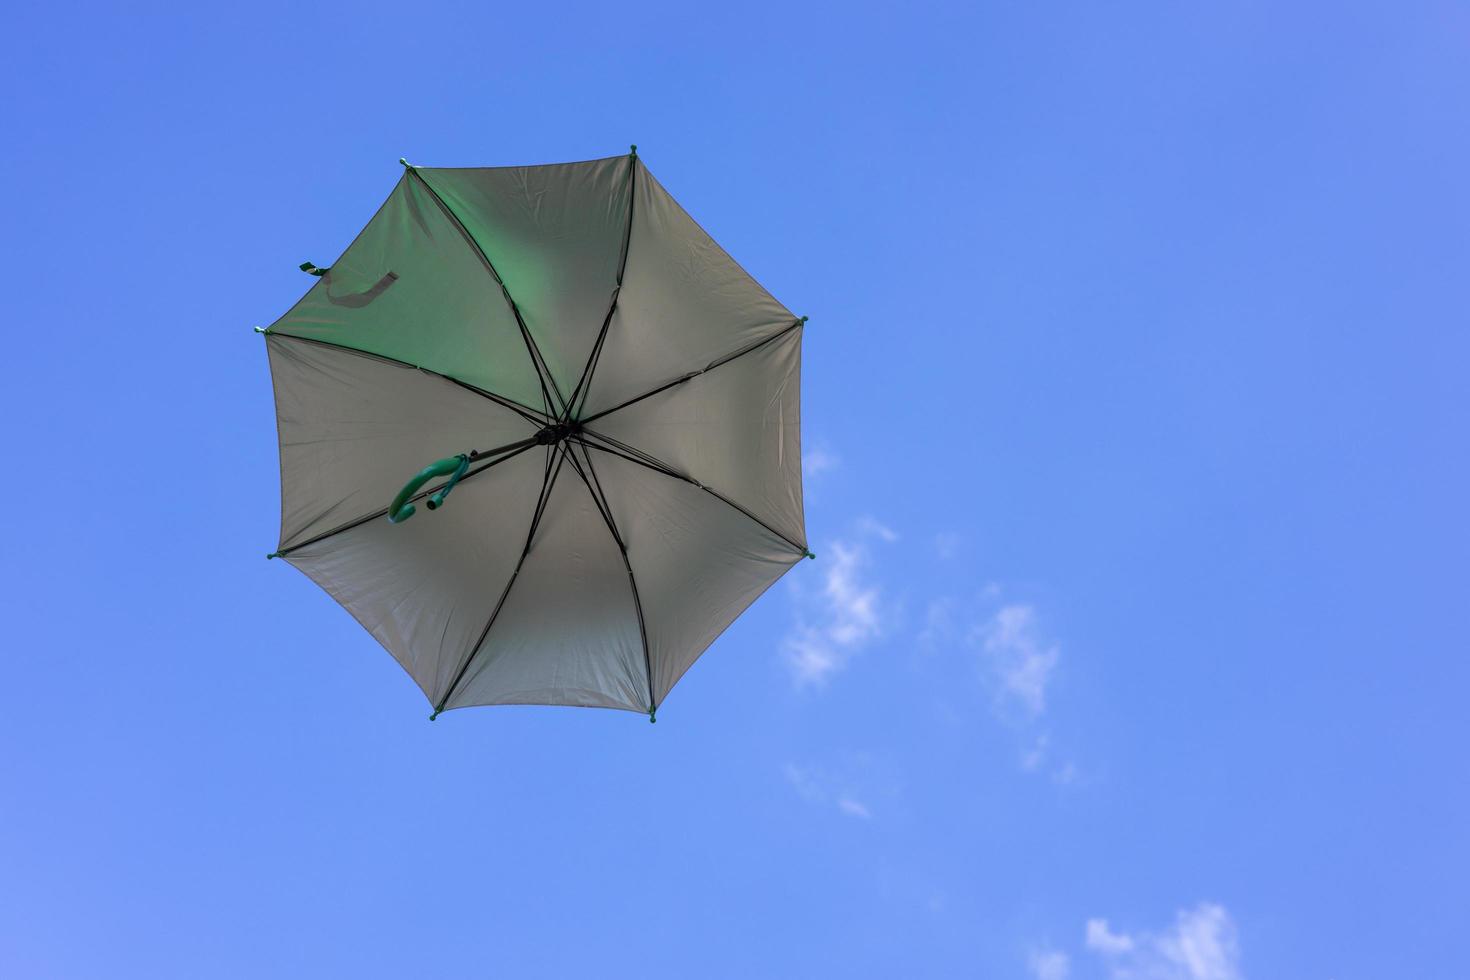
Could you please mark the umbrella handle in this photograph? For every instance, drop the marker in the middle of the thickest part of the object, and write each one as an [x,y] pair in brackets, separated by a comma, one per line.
[452,466]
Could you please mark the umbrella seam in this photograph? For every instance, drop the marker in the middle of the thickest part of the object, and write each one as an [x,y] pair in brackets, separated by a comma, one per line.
[592,359]
[719,362]
[548,483]
[501,400]
[538,362]
[599,497]
[658,466]
[382,511]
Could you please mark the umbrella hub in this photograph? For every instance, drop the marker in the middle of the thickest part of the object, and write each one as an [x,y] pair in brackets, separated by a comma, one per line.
[553,434]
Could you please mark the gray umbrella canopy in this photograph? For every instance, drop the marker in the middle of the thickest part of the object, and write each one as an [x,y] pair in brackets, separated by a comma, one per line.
[613,401]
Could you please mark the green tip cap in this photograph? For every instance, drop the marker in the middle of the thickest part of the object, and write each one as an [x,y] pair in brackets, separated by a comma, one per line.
[651,719]
[634,148]
[404,161]
[260,329]
[804,319]
[435,714]
[273,554]
[808,554]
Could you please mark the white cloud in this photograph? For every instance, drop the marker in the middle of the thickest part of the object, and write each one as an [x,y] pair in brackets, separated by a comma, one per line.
[817,461]
[1021,662]
[1103,940]
[1066,774]
[1009,640]
[845,616]
[1049,964]
[1016,661]
[819,788]
[803,782]
[1032,758]
[1202,945]
[870,525]
[938,623]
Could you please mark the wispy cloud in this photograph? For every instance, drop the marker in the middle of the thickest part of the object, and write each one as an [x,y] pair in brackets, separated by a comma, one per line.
[1201,945]
[1049,964]
[1020,661]
[879,530]
[803,781]
[819,788]
[1016,660]
[939,623]
[1034,757]
[1013,654]
[818,460]
[845,616]
[1104,940]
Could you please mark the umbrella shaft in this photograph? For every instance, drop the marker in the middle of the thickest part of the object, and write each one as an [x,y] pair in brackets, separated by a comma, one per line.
[518,444]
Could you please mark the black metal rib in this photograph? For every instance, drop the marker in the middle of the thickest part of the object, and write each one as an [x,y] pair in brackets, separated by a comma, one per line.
[543,373]
[694,374]
[612,308]
[534,416]
[518,447]
[605,509]
[624,451]
[548,483]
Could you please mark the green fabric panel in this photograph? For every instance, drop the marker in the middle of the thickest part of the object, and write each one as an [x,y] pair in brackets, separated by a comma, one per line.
[555,234]
[410,287]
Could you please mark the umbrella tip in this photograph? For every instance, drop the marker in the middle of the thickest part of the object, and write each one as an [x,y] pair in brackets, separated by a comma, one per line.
[634,148]
[436,713]
[808,554]
[260,329]
[804,319]
[652,713]
[404,161]
[273,554]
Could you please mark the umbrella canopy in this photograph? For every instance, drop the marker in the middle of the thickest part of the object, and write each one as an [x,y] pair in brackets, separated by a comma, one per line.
[612,400]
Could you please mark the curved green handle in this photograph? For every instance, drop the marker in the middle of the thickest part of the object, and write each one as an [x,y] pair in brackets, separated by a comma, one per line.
[452,466]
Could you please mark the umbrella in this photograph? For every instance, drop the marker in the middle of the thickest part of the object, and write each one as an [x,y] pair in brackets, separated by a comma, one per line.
[613,402]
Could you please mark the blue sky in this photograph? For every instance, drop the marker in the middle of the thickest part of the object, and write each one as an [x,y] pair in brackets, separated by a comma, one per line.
[1135,416]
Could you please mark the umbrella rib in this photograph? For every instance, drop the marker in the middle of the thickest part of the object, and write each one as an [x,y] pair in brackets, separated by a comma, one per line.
[518,447]
[599,497]
[548,482]
[532,415]
[624,451]
[592,359]
[694,374]
[543,373]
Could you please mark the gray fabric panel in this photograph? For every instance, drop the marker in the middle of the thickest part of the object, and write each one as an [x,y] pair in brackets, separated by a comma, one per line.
[412,288]
[736,428]
[425,588]
[354,428]
[568,633]
[698,562]
[684,303]
[555,234]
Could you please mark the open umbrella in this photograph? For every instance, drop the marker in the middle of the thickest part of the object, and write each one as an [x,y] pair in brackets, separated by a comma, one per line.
[613,402]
